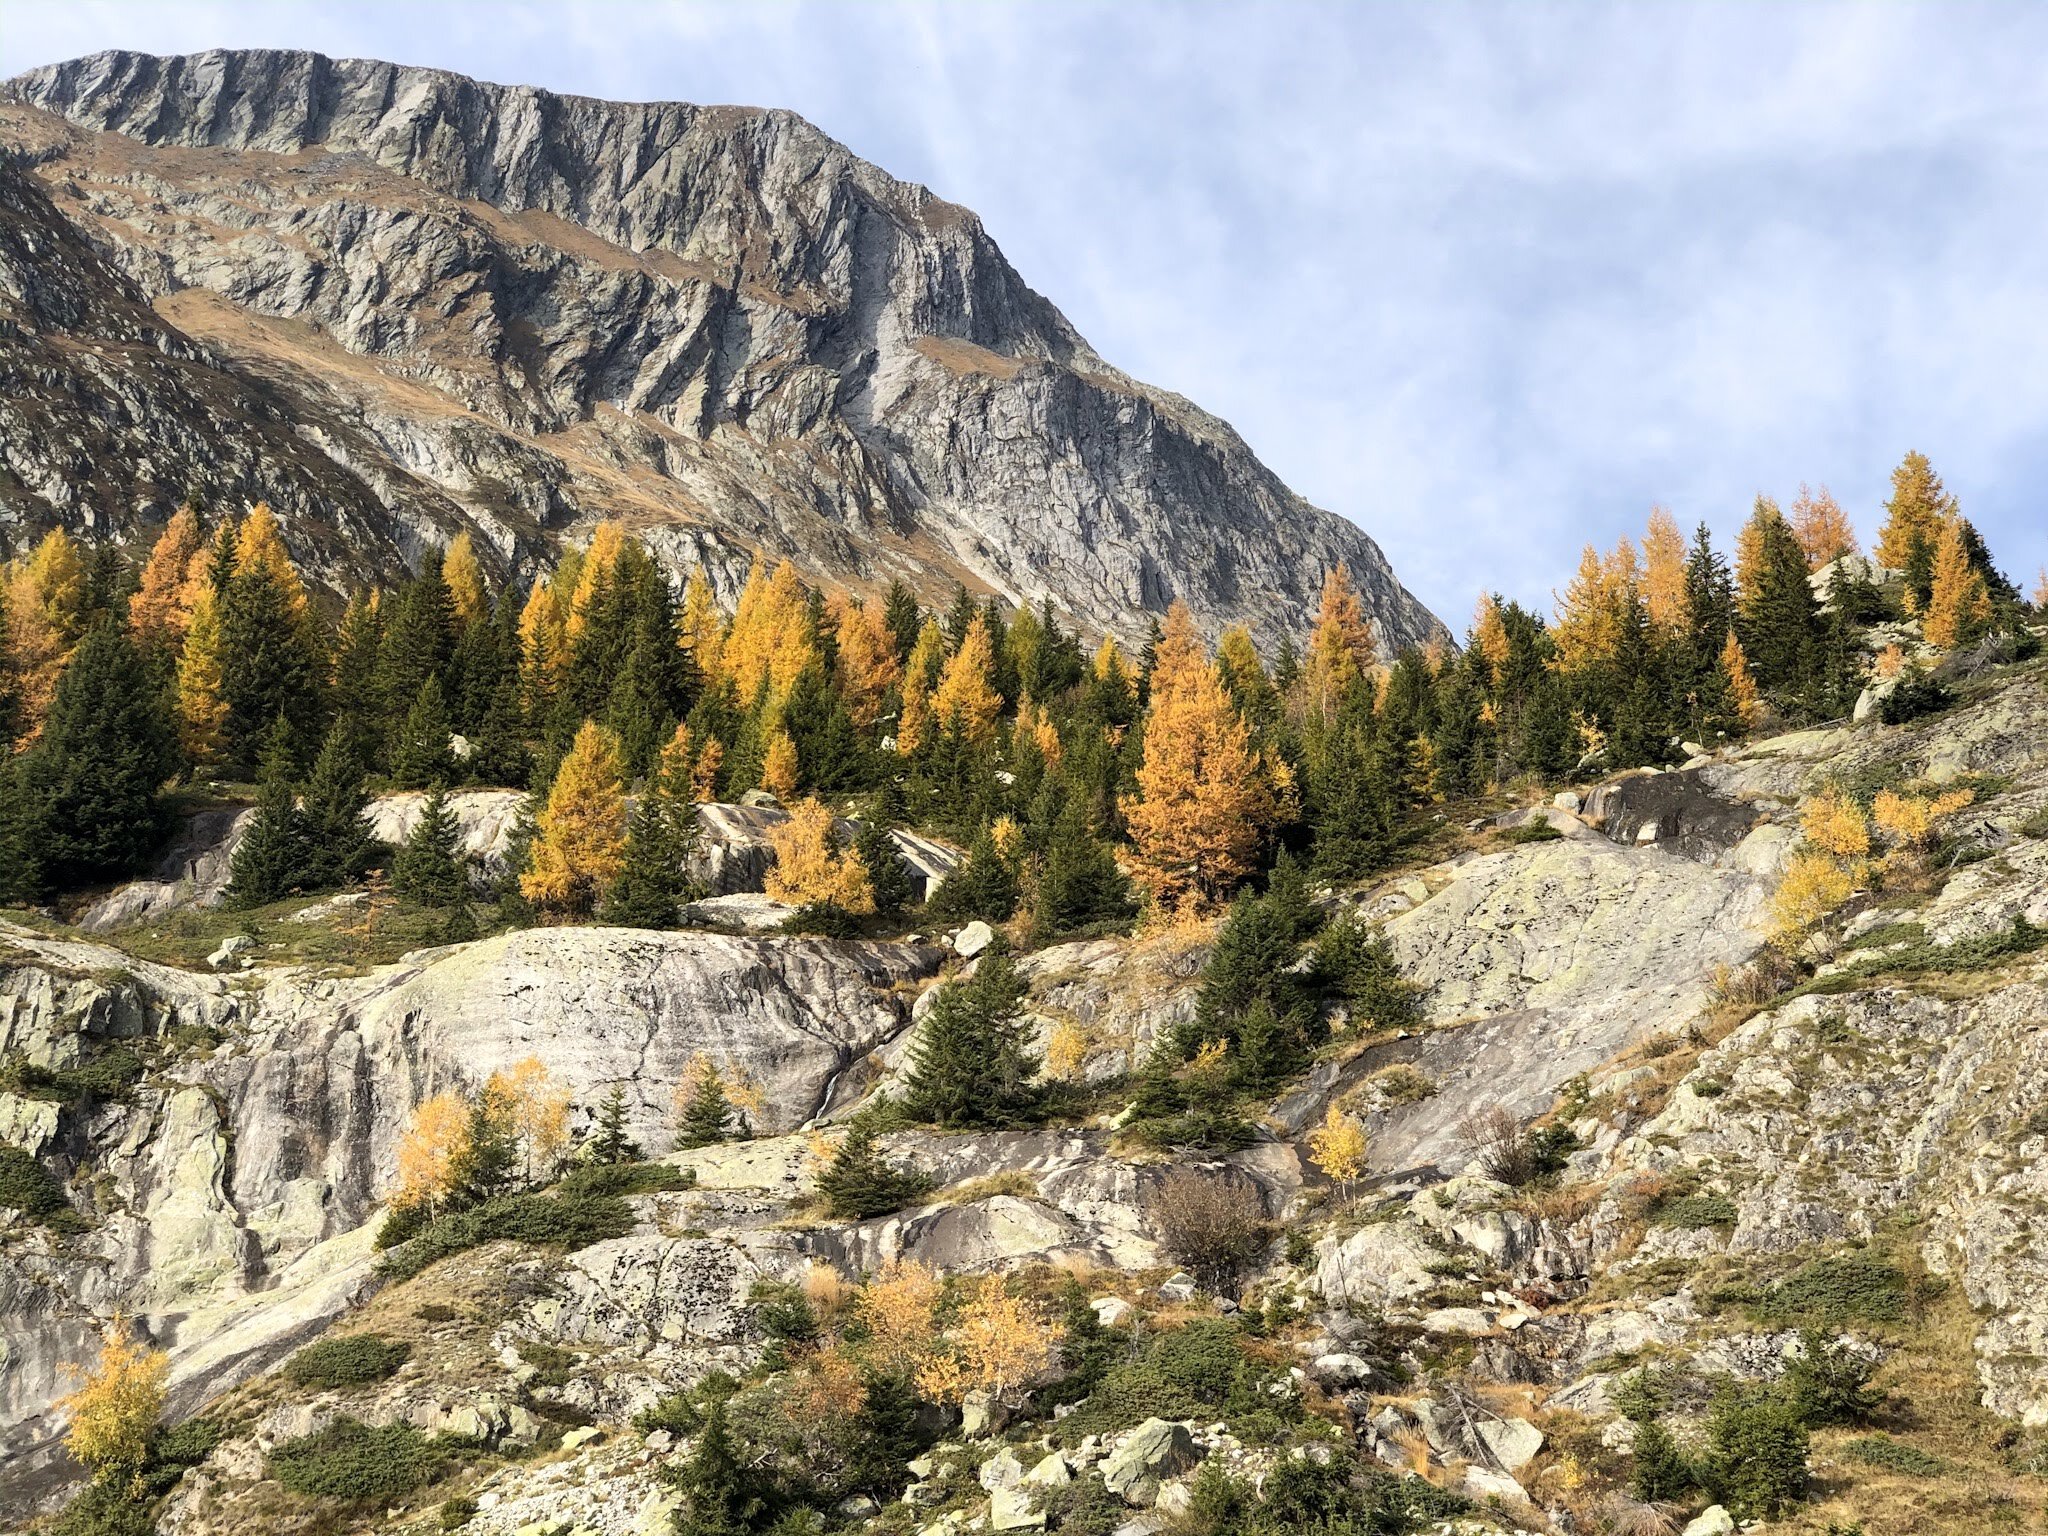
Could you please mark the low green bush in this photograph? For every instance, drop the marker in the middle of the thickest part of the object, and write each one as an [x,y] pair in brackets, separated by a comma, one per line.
[1695,1211]
[29,1187]
[1896,1456]
[1755,1462]
[352,1361]
[363,1464]
[548,1221]
[1837,1290]
[1538,830]
[626,1179]
[1198,1371]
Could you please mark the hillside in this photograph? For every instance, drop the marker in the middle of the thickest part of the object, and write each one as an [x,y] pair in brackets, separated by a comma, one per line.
[406,303]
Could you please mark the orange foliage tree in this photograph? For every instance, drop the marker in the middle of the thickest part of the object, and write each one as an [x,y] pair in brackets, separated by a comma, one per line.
[116,1405]
[1822,527]
[1960,607]
[580,841]
[1205,799]
[811,868]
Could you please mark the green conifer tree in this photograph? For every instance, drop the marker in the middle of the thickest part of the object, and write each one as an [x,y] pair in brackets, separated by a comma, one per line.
[1079,886]
[272,663]
[651,886]
[983,888]
[421,751]
[429,869]
[91,785]
[717,1494]
[334,811]
[488,1162]
[611,1144]
[972,1064]
[888,877]
[861,1182]
[275,855]
[707,1118]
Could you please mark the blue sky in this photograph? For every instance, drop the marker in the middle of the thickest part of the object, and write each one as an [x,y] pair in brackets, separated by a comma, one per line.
[1489,280]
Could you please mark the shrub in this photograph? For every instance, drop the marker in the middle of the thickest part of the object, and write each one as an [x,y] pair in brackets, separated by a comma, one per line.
[1511,1152]
[1831,1292]
[1694,1211]
[1197,1371]
[1660,1472]
[353,1361]
[1536,830]
[621,1179]
[456,1513]
[554,1221]
[1212,1224]
[1756,1453]
[1917,694]
[1896,1456]
[1830,1383]
[353,1461]
[105,1509]
[29,1187]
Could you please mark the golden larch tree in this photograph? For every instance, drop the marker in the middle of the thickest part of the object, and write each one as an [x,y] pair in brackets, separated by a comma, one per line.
[1664,573]
[1959,606]
[543,640]
[1813,886]
[580,836]
[45,613]
[811,868]
[769,643]
[1341,648]
[965,697]
[1919,505]
[1743,696]
[259,546]
[465,579]
[600,561]
[1834,823]
[434,1141]
[779,765]
[199,690]
[161,608]
[1205,799]
[1489,635]
[868,667]
[702,627]
[1593,613]
[537,1109]
[1822,527]
[1339,1146]
[116,1405]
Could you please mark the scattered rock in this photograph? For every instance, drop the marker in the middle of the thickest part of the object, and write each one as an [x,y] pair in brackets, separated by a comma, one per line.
[973,939]
[1155,1450]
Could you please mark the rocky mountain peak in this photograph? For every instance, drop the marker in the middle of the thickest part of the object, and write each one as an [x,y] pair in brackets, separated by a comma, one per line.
[521,311]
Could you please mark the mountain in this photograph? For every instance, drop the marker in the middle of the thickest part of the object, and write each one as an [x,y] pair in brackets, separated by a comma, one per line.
[397,302]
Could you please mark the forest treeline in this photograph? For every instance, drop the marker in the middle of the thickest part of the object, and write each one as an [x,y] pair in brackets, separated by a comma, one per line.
[1083,781]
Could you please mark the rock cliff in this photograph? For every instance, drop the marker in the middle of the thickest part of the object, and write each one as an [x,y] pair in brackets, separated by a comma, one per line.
[449,303]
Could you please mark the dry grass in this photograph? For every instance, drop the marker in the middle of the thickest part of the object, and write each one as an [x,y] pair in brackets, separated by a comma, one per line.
[1014,1181]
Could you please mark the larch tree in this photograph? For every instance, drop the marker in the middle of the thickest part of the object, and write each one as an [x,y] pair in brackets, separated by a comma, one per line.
[1339,1146]
[1823,528]
[465,580]
[201,700]
[45,612]
[115,1407]
[811,867]
[702,627]
[161,608]
[1743,698]
[1205,799]
[579,845]
[1918,506]
[1342,648]
[428,1152]
[1959,603]
[1663,578]
[868,665]
[966,697]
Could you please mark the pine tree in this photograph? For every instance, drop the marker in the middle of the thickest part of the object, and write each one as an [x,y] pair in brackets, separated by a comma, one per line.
[983,888]
[1959,606]
[902,616]
[1079,886]
[271,658]
[274,856]
[861,1182]
[421,752]
[707,1114]
[94,777]
[717,1497]
[610,1145]
[889,880]
[341,842]
[651,884]
[429,867]
[21,842]
[971,1064]
[419,637]
[486,1163]
[1779,620]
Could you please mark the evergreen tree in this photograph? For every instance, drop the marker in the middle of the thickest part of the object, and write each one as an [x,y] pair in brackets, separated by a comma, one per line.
[360,707]
[707,1116]
[1254,959]
[421,752]
[21,871]
[889,880]
[983,888]
[830,756]
[860,1182]
[651,885]
[90,785]
[420,637]
[717,1496]
[429,867]
[341,843]
[902,617]
[275,855]
[271,657]
[972,1064]
[611,1145]
[1779,622]
[1079,885]
[487,1163]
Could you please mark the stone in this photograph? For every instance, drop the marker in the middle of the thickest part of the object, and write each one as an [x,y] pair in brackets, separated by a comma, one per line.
[1179,1286]
[1467,1321]
[581,1436]
[1002,1470]
[1484,1483]
[1112,1311]
[1156,1449]
[982,1414]
[1340,1371]
[973,939]
[1513,1443]
[1712,1521]
[1014,1509]
[1052,1472]
[231,949]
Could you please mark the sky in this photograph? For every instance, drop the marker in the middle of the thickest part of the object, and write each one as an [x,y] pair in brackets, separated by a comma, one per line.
[1489,280]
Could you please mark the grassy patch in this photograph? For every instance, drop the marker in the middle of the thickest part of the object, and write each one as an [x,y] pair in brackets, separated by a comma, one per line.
[1834,1291]
[627,1179]
[1977,953]
[1538,830]
[1886,934]
[1896,1456]
[1695,1211]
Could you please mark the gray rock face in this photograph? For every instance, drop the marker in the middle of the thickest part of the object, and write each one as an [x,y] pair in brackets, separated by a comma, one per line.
[238,1181]
[497,306]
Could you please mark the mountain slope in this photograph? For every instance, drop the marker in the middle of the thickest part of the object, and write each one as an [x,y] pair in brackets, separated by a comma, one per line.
[525,311]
